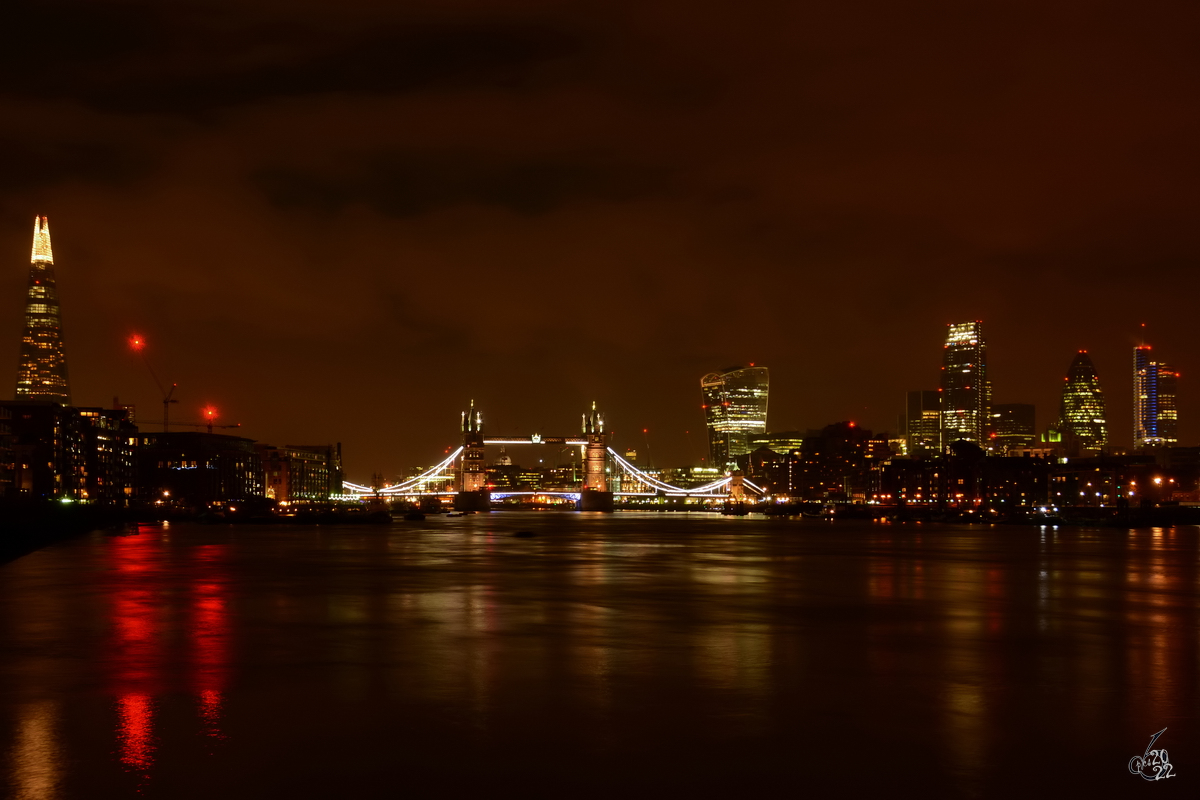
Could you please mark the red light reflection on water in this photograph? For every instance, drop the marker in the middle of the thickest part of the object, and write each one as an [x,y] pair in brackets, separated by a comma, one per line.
[141,666]
[136,648]
[135,731]
[210,635]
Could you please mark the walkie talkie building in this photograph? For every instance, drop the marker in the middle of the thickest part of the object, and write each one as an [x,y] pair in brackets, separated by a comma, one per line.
[735,408]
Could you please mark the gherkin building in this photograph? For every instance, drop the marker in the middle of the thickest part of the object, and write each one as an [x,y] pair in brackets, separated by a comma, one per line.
[1082,418]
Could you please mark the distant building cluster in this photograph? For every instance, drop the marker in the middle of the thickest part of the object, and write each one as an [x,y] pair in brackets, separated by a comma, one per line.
[957,448]
[53,450]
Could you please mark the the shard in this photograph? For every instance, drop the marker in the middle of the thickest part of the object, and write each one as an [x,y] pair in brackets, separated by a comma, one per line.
[42,369]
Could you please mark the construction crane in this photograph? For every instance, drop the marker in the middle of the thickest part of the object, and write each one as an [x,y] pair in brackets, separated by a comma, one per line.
[210,414]
[208,425]
[138,343]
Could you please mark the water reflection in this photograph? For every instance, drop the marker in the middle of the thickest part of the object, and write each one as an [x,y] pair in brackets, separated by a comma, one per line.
[210,631]
[137,646]
[167,606]
[135,731]
[36,756]
[623,640]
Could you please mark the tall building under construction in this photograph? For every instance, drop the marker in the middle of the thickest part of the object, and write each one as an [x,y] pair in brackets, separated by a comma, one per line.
[42,368]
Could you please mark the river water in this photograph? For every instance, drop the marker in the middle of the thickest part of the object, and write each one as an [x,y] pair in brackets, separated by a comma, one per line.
[644,655]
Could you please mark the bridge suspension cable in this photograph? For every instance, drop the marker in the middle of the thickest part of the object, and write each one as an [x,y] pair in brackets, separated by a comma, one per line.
[707,490]
[406,487]
[416,484]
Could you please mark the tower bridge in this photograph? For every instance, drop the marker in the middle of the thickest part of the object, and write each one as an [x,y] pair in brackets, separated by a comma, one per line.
[465,469]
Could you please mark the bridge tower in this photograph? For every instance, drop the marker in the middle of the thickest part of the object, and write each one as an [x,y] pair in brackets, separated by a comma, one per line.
[472,485]
[595,495]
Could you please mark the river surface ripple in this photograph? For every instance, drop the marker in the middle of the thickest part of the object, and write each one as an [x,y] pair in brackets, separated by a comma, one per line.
[645,655]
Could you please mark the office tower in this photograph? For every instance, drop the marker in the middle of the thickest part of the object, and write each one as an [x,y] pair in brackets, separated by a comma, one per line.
[1082,419]
[921,424]
[966,392]
[1011,426]
[735,408]
[42,367]
[782,442]
[1154,414]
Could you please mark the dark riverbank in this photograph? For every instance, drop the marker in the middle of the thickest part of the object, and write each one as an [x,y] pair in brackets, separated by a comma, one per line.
[26,526]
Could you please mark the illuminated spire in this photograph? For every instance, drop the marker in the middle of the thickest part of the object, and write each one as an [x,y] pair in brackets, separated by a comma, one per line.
[42,366]
[41,241]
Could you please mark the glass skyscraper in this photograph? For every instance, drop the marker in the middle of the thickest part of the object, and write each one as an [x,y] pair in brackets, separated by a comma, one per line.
[921,424]
[1155,418]
[42,367]
[966,392]
[1012,426]
[1082,418]
[735,408]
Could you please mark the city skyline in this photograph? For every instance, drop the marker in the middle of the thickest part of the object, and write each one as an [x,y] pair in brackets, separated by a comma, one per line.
[344,223]
[964,348]
[964,343]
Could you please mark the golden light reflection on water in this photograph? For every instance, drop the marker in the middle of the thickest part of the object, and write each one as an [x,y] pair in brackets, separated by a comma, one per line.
[36,757]
[966,718]
[736,659]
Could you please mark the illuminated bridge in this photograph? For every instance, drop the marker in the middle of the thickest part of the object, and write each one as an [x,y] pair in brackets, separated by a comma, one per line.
[462,474]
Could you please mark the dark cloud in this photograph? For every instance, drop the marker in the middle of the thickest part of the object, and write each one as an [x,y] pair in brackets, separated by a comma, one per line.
[410,184]
[369,213]
[36,160]
[167,59]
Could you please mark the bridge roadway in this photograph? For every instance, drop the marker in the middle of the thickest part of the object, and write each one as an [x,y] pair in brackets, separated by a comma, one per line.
[536,438]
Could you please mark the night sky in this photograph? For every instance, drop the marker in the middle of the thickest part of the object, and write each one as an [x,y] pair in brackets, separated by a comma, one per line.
[343,221]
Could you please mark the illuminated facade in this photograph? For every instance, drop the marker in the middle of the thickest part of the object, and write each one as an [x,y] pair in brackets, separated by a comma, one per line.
[473,470]
[1155,417]
[42,367]
[301,472]
[921,423]
[782,442]
[735,408]
[965,389]
[1082,418]
[1011,426]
